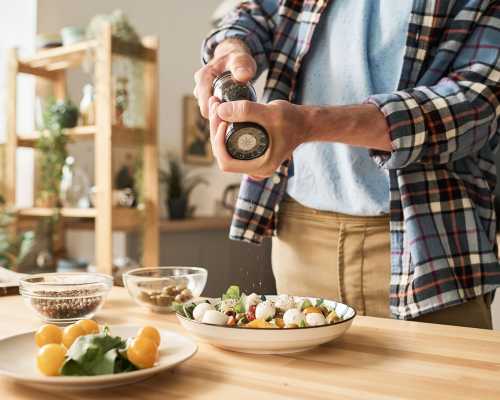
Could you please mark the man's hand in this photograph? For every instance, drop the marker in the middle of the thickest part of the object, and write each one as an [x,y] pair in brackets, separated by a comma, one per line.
[283,121]
[231,55]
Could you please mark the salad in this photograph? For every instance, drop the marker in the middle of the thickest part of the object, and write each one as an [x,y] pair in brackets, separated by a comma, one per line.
[83,349]
[236,309]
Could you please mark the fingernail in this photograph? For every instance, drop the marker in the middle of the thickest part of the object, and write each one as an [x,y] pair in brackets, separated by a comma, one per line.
[225,110]
[242,71]
[212,109]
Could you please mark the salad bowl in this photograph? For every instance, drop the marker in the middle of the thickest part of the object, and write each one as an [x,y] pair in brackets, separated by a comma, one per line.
[270,340]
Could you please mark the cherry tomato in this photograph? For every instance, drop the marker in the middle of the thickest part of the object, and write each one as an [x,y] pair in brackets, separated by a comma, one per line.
[251,313]
[71,333]
[50,359]
[142,352]
[151,333]
[89,326]
[47,334]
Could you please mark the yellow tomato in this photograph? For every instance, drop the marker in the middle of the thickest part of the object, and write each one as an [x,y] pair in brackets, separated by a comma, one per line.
[48,334]
[50,358]
[89,326]
[259,324]
[71,333]
[142,352]
[311,310]
[151,333]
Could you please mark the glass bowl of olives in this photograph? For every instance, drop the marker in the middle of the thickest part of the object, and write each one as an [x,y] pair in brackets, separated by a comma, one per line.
[64,298]
[160,289]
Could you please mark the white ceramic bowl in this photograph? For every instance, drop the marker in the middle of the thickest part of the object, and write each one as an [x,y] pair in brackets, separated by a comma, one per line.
[273,340]
[18,352]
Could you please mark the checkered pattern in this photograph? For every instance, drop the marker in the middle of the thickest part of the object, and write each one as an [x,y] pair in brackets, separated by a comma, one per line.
[443,122]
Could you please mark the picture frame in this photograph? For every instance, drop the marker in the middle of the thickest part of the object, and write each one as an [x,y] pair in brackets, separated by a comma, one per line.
[196,146]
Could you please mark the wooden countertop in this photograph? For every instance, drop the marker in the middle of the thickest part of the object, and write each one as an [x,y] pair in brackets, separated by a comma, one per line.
[376,359]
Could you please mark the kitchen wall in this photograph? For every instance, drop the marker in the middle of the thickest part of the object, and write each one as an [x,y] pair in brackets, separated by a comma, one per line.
[17,29]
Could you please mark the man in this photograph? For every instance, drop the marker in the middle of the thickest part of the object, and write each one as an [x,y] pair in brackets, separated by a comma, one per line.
[374,100]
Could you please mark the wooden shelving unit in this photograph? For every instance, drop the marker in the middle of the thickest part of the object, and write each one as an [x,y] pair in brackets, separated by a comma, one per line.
[52,64]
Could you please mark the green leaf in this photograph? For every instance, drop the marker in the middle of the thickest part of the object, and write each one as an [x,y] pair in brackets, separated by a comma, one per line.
[232,293]
[72,368]
[302,324]
[93,355]
[306,304]
[319,302]
[122,363]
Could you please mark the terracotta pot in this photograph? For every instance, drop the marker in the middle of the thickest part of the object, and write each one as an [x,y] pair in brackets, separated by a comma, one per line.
[47,200]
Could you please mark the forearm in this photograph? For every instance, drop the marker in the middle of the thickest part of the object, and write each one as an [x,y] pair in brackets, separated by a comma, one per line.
[356,125]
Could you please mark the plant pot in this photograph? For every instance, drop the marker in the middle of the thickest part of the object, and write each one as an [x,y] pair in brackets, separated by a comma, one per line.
[177,208]
[47,200]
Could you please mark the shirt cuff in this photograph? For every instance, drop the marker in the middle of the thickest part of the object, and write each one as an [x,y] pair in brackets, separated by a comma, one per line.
[406,129]
[250,39]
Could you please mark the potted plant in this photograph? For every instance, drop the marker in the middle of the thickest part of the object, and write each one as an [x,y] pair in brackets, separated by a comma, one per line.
[179,187]
[52,145]
[13,248]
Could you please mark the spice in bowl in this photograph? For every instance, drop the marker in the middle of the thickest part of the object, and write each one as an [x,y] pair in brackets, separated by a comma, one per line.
[63,298]
[66,304]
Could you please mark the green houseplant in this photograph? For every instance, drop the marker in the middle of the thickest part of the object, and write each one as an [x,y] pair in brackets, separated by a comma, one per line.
[179,187]
[13,248]
[52,148]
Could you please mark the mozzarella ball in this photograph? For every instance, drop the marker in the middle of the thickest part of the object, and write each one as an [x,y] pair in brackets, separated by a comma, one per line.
[284,302]
[200,310]
[265,310]
[315,319]
[294,317]
[252,300]
[214,317]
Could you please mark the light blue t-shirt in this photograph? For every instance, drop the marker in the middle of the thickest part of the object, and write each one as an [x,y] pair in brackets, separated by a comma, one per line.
[357,50]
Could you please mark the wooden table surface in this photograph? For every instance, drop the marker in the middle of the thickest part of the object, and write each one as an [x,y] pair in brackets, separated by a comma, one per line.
[376,359]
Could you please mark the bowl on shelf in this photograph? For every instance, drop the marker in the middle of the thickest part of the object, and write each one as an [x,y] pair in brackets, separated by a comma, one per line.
[64,298]
[160,289]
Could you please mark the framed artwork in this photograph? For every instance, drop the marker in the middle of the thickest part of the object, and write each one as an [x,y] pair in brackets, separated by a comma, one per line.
[196,148]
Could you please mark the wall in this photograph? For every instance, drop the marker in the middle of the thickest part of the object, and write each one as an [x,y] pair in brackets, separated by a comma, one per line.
[17,29]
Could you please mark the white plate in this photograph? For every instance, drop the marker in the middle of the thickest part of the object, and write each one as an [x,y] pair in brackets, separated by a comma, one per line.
[274,340]
[17,361]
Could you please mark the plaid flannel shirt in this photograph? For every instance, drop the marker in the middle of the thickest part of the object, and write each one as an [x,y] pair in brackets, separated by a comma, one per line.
[443,122]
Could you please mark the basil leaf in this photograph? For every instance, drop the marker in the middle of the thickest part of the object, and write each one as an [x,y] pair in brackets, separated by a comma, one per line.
[93,355]
[233,292]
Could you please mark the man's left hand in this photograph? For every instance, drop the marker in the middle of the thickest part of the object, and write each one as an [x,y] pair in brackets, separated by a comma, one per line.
[284,122]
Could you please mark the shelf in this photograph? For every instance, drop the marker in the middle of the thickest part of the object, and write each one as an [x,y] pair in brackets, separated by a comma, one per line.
[64,212]
[46,63]
[166,225]
[195,224]
[122,136]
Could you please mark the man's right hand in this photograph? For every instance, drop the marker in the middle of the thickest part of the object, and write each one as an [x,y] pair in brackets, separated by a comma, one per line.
[231,55]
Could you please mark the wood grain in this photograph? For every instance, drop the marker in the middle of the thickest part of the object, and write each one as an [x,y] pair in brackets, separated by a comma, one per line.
[103,153]
[376,359]
[150,185]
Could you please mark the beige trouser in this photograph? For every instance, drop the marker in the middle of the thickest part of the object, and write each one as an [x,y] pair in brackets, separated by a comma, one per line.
[337,256]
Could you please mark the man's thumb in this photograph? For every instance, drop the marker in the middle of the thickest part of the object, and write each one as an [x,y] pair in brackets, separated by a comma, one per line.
[242,67]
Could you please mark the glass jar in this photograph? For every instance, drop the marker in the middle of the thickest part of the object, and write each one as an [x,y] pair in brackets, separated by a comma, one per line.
[244,140]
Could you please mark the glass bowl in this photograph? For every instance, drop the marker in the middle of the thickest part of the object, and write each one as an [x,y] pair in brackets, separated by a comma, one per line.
[160,289]
[64,298]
